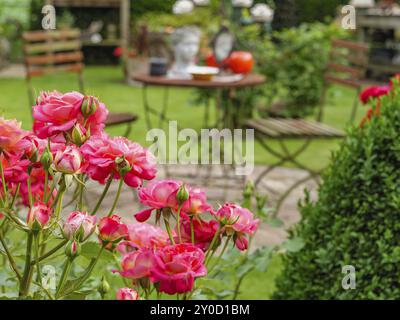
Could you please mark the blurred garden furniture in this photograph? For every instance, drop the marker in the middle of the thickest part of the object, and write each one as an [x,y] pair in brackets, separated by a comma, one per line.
[230,117]
[49,52]
[347,65]
[229,112]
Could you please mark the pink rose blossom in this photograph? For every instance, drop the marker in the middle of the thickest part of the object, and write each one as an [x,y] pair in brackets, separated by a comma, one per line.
[39,213]
[239,221]
[111,229]
[102,153]
[373,92]
[55,114]
[68,161]
[144,235]
[77,221]
[15,169]
[11,136]
[127,294]
[158,195]
[204,231]
[175,268]
[197,202]
[137,264]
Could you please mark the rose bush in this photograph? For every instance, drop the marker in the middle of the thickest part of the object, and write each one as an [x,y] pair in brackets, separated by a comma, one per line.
[68,147]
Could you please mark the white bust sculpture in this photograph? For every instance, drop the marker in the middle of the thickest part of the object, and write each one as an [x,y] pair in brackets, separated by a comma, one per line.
[186,43]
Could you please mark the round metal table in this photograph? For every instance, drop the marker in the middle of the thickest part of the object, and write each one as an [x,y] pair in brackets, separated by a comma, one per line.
[231,112]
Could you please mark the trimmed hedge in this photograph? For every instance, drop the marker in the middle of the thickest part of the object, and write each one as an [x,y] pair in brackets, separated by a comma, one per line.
[356,220]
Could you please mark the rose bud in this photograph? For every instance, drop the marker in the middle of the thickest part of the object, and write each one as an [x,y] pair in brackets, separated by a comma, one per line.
[79,225]
[182,194]
[79,135]
[72,249]
[103,287]
[68,161]
[111,229]
[46,159]
[127,294]
[38,216]
[123,166]
[89,106]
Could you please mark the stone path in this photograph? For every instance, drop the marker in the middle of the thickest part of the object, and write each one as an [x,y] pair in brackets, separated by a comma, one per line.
[220,188]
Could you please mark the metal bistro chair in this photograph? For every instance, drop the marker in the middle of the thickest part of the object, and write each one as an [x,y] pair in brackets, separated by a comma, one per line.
[49,52]
[347,66]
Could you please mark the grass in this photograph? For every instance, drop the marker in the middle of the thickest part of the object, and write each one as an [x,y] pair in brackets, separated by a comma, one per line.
[107,84]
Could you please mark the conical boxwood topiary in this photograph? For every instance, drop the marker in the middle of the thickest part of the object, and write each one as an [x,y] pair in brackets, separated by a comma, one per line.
[356,219]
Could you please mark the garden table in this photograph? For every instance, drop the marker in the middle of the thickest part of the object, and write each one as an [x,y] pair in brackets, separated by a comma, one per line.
[231,111]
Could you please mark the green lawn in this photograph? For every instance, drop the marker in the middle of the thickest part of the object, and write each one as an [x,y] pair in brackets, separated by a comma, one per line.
[107,84]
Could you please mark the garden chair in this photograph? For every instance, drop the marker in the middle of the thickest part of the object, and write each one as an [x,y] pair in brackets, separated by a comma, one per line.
[347,65]
[49,52]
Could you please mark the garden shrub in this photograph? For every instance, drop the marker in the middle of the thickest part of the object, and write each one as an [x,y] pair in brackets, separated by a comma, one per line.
[356,220]
[295,76]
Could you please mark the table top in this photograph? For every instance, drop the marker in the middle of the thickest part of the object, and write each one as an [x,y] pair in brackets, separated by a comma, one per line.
[250,80]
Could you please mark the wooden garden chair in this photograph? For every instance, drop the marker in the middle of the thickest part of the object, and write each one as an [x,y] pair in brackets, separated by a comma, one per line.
[347,65]
[49,52]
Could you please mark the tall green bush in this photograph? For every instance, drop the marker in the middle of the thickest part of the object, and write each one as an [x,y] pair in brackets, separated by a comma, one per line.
[356,220]
[294,62]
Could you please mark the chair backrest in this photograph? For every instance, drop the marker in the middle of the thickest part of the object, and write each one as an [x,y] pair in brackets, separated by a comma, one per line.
[49,52]
[347,65]
[52,51]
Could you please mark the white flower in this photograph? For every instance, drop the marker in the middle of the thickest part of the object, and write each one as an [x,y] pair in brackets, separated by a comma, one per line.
[262,13]
[182,7]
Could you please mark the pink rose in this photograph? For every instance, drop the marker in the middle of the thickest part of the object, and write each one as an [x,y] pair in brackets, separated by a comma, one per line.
[158,195]
[79,223]
[39,213]
[11,136]
[55,114]
[239,222]
[373,92]
[204,231]
[197,202]
[111,229]
[15,169]
[68,161]
[144,235]
[127,294]
[175,268]
[104,156]
[137,264]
